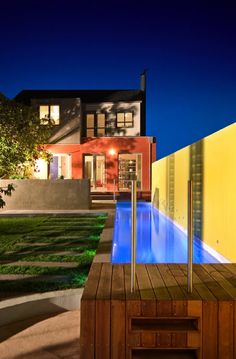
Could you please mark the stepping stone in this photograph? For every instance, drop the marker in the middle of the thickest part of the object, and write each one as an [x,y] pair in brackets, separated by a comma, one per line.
[27,244]
[44,264]
[48,278]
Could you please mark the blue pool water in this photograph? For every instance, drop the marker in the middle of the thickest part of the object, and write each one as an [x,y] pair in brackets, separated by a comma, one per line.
[159,240]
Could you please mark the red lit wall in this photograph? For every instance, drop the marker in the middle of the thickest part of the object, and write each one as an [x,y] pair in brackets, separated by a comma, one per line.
[104,146]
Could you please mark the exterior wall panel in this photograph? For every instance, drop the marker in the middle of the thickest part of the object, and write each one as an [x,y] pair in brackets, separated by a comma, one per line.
[211,163]
[104,146]
[69,129]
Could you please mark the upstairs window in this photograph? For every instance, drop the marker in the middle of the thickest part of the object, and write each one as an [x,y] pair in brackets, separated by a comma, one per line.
[90,125]
[124,119]
[51,112]
[95,124]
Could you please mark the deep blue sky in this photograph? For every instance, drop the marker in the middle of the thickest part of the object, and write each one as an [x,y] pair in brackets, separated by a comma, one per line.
[188,48]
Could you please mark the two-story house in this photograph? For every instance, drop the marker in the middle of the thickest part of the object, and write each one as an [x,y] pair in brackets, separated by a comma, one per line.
[99,134]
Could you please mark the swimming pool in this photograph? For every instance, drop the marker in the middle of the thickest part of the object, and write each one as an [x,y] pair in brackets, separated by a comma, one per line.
[159,240]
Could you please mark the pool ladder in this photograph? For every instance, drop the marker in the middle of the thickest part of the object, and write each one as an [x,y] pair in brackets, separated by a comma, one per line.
[190,235]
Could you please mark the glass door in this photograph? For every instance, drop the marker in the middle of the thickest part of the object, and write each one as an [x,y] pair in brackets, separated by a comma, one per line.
[94,169]
[60,166]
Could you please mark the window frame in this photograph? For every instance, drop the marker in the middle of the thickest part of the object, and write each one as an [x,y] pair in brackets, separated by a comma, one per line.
[96,128]
[43,121]
[120,179]
[125,121]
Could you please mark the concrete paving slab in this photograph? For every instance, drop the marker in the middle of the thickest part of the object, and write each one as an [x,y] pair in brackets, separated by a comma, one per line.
[43,264]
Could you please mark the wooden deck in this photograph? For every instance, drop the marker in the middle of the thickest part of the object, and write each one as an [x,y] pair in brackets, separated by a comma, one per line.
[160,320]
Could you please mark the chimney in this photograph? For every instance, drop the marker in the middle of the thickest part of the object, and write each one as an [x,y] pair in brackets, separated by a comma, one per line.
[143,81]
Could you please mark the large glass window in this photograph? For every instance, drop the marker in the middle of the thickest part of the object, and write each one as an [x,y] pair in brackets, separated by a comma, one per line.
[95,124]
[60,166]
[130,167]
[51,112]
[124,119]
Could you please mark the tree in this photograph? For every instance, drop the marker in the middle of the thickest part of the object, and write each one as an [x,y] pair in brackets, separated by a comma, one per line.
[7,192]
[21,138]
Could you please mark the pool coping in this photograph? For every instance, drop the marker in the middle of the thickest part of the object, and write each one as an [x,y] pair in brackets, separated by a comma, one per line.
[104,250]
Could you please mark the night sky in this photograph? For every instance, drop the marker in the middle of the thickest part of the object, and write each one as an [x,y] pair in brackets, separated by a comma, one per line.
[189,49]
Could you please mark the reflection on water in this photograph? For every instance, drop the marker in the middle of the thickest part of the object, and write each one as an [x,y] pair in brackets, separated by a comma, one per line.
[159,240]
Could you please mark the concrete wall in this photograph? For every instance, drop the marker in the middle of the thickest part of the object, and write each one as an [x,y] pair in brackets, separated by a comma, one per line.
[211,163]
[219,193]
[48,194]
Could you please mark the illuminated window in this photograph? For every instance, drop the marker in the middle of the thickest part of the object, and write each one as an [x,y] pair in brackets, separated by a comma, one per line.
[95,124]
[51,112]
[100,124]
[124,119]
[130,167]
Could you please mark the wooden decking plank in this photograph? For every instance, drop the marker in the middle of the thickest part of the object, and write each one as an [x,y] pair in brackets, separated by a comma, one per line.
[170,282]
[118,282]
[87,329]
[226,327]
[90,290]
[157,282]
[212,285]
[130,296]
[221,280]
[209,329]
[231,267]
[103,313]
[234,321]
[181,279]
[118,329]
[148,303]
[229,272]
[200,286]
[229,277]
[144,284]
[103,324]
[104,286]
[118,313]
[195,337]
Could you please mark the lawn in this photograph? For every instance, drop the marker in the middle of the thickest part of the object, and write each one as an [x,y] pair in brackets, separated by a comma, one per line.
[39,254]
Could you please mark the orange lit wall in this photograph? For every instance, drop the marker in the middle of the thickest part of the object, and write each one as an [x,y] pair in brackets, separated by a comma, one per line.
[103,145]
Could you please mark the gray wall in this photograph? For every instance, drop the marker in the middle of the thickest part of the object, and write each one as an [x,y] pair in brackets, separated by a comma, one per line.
[48,194]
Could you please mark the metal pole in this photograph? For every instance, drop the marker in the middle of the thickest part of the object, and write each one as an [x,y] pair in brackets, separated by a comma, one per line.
[133,232]
[114,190]
[190,236]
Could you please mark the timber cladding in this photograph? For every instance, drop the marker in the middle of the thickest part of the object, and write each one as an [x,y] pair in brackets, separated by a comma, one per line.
[159,320]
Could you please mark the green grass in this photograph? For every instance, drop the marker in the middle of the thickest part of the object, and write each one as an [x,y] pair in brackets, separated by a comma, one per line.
[78,236]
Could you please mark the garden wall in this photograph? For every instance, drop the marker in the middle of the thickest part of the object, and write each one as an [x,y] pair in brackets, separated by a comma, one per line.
[211,164]
[48,194]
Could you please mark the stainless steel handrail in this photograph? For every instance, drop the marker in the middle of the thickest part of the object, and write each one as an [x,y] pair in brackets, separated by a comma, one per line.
[133,234]
[190,236]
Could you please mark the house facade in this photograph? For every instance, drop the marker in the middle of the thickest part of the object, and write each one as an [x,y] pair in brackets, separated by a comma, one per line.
[98,134]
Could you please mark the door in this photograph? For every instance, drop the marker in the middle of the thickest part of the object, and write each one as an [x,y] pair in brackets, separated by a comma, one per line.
[94,169]
[60,166]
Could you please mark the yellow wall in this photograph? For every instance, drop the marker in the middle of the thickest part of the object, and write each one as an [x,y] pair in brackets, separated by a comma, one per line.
[159,184]
[181,187]
[219,189]
[219,195]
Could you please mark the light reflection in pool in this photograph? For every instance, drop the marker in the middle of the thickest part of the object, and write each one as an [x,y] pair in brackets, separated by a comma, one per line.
[159,240]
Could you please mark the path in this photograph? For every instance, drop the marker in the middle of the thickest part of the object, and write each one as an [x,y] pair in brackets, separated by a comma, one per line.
[53,338]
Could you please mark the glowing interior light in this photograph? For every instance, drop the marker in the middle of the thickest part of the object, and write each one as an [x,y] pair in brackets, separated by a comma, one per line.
[112,152]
